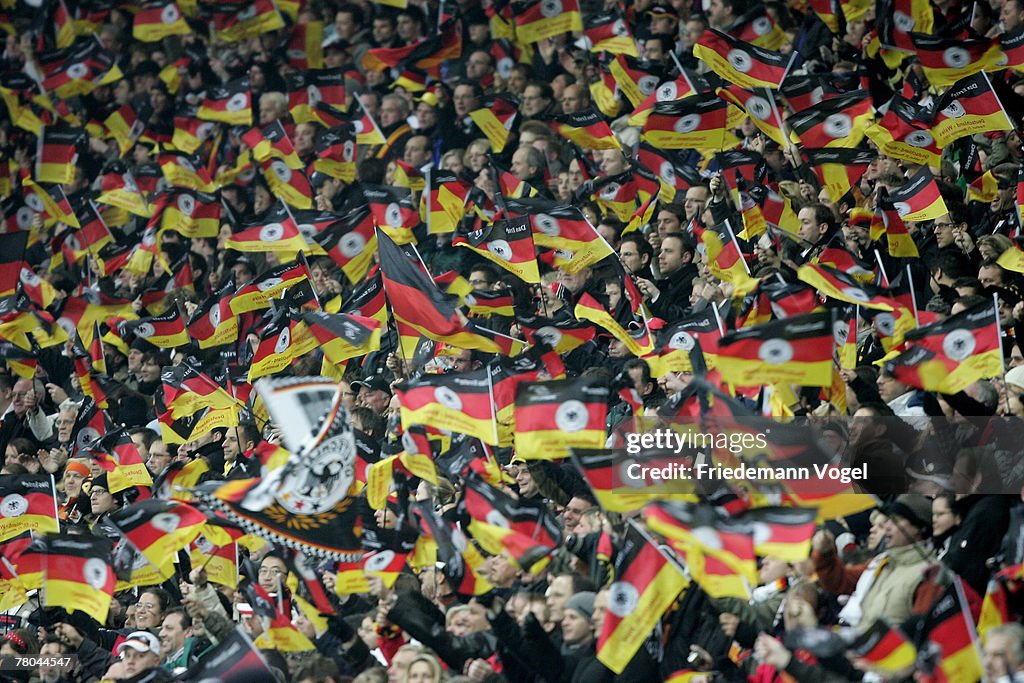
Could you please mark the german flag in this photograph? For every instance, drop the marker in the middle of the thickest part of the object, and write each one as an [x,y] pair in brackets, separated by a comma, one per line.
[409,177]
[368,300]
[758,28]
[182,170]
[608,32]
[94,233]
[190,132]
[637,80]
[234,660]
[166,331]
[229,103]
[158,528]
[760,106]
[236,22]
[562,335]
[668,91]
[336,153]
[51,201]
[984,188]
[838,169]
[743,64]
[646,584]
[276,614]
[901,242]
[307,89]
[497,120]
[540,19]
[258,293]
[366,129]
[719,551]
[462,562]
[291,185]
[117,454]
[118,188]
[914,16]
[562,227]
[886,649]
[343,336]
[782,532]
[280,342]
[695,122]
[795,350]
[949,628]
[393,211]
[78,70]
[57,153]
[272,142]
[275,231]
[526,530]
[427,54]
[639,343]
[443,204]
[157,20]
[186,391]
[969,107]
[304,51]
[507,243]
[555,416]
[947,60]
[919,199]
[459,402]
[213,323]
[587,129]
[1012,45]
[77,574]
[193,214]
[28,502]
[843,287]
[350,241]
[220,561]
[725,260]
[970,340]
[387,553]
[675,343]
[836,122]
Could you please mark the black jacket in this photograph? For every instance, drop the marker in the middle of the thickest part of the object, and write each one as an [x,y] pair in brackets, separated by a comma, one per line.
[674,293]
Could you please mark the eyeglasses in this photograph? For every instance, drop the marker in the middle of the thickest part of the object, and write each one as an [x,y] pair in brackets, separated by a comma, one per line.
[270,571]
[943,226]
[148,606]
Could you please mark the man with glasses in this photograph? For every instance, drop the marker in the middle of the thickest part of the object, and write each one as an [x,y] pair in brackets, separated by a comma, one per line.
[536,100]
[272,573]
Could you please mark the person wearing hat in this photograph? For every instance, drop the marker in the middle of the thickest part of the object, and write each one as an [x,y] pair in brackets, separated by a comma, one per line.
[892,586]
[374,392]
[140,654]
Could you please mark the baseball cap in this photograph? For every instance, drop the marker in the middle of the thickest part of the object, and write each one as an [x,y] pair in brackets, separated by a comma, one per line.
[914,508]
[140,641]
[373,383]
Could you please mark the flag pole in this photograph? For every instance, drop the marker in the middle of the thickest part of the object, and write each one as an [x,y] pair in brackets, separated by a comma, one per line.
[490,395]
[913,295]
[1002,361]
[735,243]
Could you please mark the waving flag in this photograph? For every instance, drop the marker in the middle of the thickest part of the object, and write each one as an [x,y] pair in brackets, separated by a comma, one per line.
[838,169]
[555,416]
[307,89]
[158,528]
[28,502]
[608,32]
[57,153]
[275,231]
[77,574]
[837,122]
[947,60]
[234,23]
[886,649]
[525,529]
[158,20]
[746,65]
[343,336]
[919,198]
[695,122]
[459,402]
[904,132]
[969,107]
[505,242]
[637,79]
[540,19]
[646,584]
[795,350]
[336,153]
[586,129]
[496,120]
[229,103]
[213,323]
